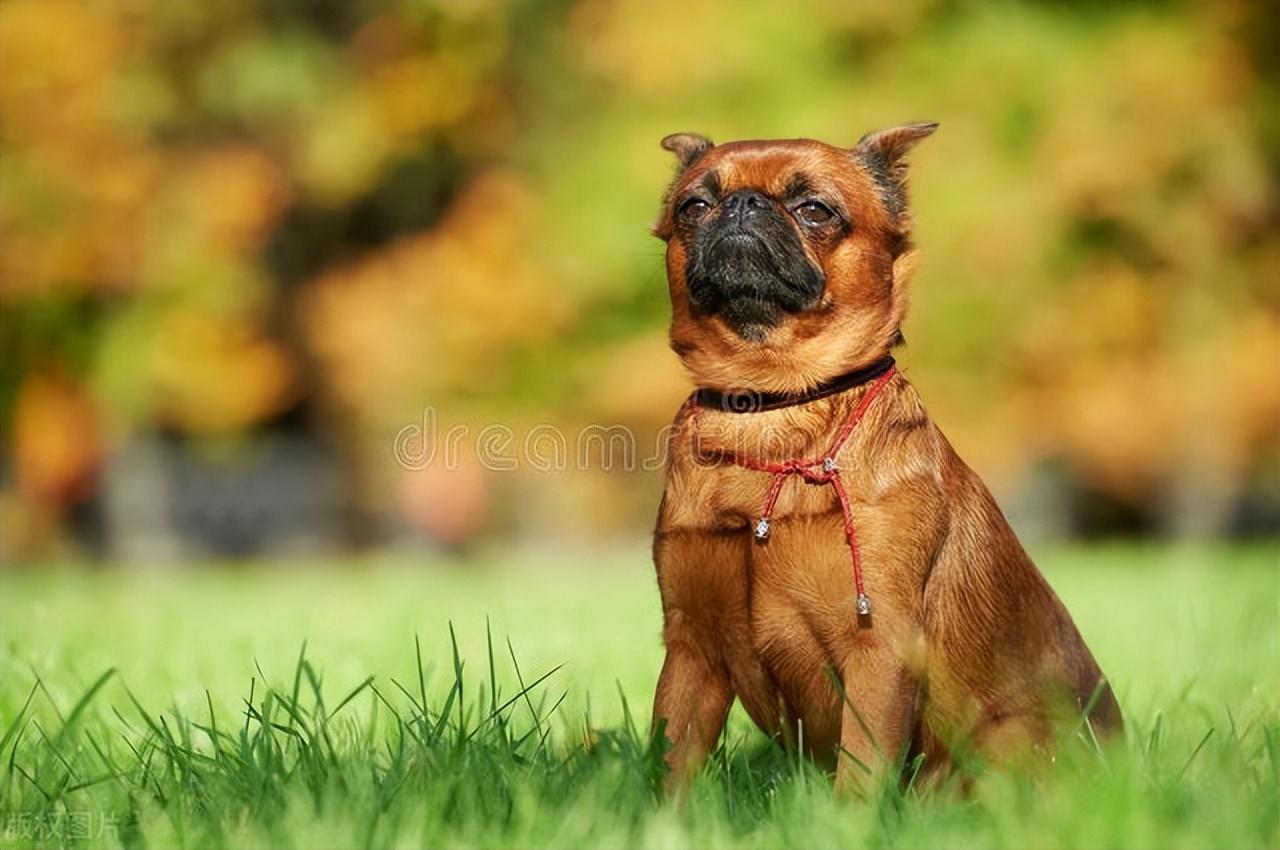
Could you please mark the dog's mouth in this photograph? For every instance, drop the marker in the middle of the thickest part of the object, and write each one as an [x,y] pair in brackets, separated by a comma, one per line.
[738,238]
[751,278]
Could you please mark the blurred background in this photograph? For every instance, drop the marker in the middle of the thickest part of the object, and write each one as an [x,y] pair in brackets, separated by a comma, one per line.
[258,260]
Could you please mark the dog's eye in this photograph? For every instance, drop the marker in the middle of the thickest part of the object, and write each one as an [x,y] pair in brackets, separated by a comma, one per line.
[692,208]
[814,213]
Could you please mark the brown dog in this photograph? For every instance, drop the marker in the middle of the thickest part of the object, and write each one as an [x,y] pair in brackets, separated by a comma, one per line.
[818,534]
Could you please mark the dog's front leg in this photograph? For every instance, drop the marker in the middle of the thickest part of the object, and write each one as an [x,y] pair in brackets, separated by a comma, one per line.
[877,720]
[692,701]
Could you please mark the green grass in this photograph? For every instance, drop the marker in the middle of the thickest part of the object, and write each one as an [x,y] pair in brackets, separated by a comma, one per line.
[179,708]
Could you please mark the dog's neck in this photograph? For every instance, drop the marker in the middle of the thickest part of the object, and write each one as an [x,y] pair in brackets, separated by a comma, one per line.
[804,429]
[750,401]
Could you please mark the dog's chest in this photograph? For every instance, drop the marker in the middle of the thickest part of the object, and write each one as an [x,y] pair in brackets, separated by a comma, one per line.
[803,563]
[784,534]
[783,610]
[784,607]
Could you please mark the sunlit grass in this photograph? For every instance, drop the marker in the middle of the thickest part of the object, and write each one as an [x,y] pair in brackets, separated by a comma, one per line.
[458,705]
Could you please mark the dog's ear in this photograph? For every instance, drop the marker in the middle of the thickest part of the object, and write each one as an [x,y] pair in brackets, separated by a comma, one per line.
[688,148]
[890,146]
[884,153]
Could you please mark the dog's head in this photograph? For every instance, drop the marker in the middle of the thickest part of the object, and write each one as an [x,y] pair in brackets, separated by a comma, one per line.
[787,260]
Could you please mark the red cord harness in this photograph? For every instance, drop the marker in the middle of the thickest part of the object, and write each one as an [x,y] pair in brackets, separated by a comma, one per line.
[823,470]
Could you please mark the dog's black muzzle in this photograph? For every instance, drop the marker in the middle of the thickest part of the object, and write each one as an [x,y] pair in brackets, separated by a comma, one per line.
[748,266]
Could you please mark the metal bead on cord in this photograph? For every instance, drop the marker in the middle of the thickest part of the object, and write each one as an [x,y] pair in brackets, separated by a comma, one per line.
[821,471]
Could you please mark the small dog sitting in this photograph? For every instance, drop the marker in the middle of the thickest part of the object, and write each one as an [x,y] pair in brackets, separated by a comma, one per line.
[823,554]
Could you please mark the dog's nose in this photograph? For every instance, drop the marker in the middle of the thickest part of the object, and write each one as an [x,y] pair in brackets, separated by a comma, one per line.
[745,204]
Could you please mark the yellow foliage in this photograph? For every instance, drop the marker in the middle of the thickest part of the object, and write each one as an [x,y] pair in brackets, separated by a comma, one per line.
[657,49]
[1097,284]
[217,376]
[435,312]
[73,184]
[55,440]
[639,381]
[232,197]
[57,57]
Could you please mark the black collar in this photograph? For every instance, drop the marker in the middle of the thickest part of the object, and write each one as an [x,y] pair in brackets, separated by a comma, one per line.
[749,401]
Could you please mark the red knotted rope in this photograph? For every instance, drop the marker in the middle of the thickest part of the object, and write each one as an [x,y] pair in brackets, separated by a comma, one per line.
[823,470]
